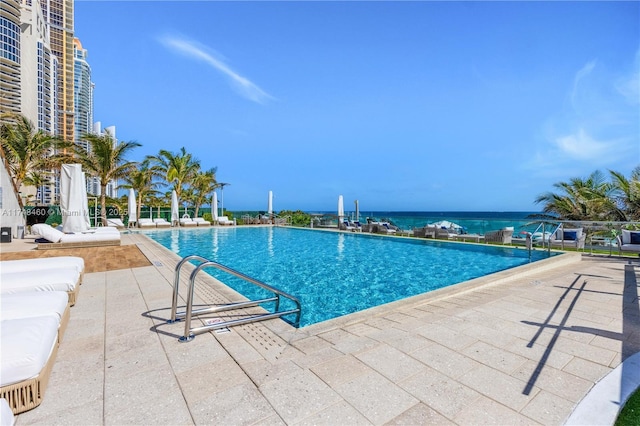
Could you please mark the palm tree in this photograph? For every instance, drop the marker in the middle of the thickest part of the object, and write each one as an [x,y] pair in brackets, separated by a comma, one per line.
[141,180]
[203,184]
[105,160]
[26,148]
[627,193]
[176,169]
[592,198]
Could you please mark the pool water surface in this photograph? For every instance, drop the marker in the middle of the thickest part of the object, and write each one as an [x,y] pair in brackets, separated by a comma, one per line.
[334,273]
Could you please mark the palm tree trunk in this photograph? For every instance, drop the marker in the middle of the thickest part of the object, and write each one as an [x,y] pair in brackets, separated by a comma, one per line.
[103,204]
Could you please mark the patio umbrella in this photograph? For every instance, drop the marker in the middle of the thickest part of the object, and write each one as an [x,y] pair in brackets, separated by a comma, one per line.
[270,204]
[73,199]
[340,209]
[214,207]
[131,206]
[357,210]
[85,202]
[175,213]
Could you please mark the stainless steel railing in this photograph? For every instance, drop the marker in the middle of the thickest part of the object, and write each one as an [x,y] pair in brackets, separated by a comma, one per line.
[189,333]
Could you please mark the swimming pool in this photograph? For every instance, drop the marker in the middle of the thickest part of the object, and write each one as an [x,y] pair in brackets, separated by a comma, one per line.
[335,274]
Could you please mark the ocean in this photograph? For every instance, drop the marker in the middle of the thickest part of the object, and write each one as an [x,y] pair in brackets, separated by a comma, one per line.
[471,222]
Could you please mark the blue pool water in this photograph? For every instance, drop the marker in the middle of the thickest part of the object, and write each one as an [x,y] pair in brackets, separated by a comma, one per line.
[335,274]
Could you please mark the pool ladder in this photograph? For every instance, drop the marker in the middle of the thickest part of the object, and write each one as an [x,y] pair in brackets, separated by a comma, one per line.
[190,333]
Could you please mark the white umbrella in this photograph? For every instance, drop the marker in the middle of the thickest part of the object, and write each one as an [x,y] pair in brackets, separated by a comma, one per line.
[214,207]
[270,204]
[73,199]
[131,206]
[357,210]
[340,209]
[85,203]
[175,213]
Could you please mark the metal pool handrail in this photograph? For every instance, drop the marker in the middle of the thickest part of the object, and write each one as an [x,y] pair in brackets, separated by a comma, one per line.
[189,333]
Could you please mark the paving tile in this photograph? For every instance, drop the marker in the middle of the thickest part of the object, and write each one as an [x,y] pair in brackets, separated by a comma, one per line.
[497,358]
[484,411]
[555,381]
[299,395]
[447,361]
[548,408]
[378,399]
[439,392]
[420,414]
[446,336]
[242,405]
[391,363]
[215,377]
[586,369]
[339,370]
[340,413]
[501,387]
[402,340]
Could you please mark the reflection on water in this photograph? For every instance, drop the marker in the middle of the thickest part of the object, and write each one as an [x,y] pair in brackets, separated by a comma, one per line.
[175,241]
[214,243]
[270,242]
[340,246]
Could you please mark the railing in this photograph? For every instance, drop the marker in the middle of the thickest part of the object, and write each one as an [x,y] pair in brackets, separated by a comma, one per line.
[189,333]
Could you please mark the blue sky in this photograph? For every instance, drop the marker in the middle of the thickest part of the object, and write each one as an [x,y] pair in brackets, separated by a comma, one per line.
[404,106]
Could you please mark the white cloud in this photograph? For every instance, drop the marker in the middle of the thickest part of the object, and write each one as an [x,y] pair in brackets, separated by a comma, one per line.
[580,75]
[242,85]
[581,146]
[629,86]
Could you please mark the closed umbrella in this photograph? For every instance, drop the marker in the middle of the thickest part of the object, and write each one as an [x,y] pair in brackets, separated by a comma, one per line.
[340,209]
[214,207]
[357,210]
[85,202]
[175,213]
[131,205]
[73,199]
[270,204]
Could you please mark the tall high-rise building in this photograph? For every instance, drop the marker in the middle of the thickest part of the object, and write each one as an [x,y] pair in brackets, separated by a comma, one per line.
[82,94]
[10,57]
[59,16]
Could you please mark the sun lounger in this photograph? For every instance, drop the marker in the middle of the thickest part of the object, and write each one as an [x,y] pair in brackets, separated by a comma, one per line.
[187,221]
[161,222]
[36,304]
[628,241]
[67,280]
[29,347]
[105,236]
[56,262]
[146,223]
[115,223]
[201,222]
[224,220]
[6,415]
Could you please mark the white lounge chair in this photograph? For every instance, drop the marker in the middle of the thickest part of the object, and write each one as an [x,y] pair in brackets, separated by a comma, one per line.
[146,223]
[115,222]
[187,221]
[29,347]
[105,236]
[56,262]
[628,241]
[201,222]
[224,220]
[6,415]
[36,304]
[161,222]
[67,280]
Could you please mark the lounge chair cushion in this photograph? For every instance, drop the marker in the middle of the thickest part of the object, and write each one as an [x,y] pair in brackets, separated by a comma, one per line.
[40,280]
[26,344]
[36,304]
[47,232]
[569,235]
[630,237]
[6,415]
[56,262]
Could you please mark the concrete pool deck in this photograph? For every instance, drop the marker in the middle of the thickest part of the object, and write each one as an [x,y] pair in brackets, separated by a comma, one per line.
[526,350]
